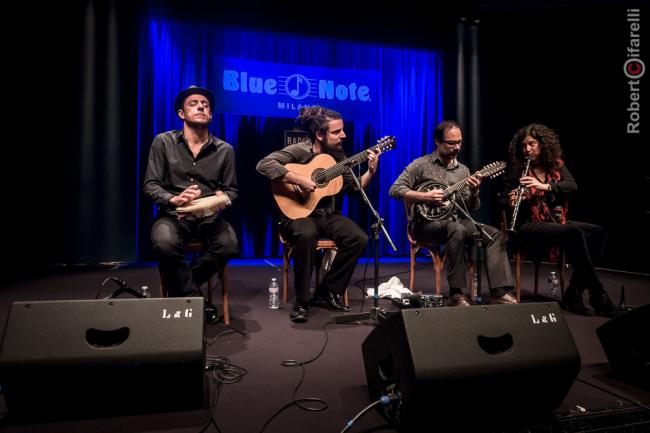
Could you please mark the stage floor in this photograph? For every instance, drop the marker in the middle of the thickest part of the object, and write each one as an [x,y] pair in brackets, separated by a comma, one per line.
[260,339]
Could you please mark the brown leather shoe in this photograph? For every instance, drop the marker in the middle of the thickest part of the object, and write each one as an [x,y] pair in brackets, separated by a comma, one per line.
[458,301]
[507,298]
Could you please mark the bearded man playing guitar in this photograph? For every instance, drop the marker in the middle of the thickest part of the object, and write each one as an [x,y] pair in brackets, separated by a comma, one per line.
[325,130]
[452,228]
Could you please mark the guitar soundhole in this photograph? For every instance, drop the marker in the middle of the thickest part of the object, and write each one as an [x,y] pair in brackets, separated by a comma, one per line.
[319,178]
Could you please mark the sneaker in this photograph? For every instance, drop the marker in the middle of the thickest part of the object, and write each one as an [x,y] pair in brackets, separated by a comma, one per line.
[299,313]
[572,301]
[458,301]
[603,305]
[507,298]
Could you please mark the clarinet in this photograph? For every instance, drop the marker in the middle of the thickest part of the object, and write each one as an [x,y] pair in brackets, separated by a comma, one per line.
[518,196]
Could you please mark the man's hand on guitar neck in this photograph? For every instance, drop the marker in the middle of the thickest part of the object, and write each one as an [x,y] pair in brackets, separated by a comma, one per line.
[373,162]
[474,182]
[303,182]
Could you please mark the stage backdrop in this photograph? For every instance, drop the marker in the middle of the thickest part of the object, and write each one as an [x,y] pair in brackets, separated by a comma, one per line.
[261,79]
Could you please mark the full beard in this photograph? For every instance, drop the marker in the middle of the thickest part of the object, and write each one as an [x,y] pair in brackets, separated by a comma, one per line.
[335,150]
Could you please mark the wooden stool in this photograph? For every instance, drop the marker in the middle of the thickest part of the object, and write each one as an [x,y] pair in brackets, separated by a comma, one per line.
[196,247]
[287,250]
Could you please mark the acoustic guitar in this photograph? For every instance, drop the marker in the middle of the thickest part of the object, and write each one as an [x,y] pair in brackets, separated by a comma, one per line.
[327,175]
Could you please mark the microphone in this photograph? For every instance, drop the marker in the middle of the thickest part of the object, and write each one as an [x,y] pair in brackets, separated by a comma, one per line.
[123,288]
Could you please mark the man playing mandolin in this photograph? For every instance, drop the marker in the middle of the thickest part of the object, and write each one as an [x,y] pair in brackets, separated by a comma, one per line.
[451,228]
[325,131]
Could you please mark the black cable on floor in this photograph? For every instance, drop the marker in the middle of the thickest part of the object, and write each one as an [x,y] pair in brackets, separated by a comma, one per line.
[223,373]
[300,402]
[228,329]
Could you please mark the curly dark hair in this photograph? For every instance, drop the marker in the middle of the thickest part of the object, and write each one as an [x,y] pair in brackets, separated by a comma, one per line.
[549,141]
[313,119]
[444,126]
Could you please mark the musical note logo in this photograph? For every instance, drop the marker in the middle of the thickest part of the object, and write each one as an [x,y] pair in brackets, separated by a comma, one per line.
[297,86]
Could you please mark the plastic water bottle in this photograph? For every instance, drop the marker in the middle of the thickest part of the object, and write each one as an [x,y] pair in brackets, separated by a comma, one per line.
[554,285]
[144,292]
[274,294]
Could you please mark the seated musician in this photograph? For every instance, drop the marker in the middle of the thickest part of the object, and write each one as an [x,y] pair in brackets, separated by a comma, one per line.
[325,131]
[452,228]
[542,216]
[183,166]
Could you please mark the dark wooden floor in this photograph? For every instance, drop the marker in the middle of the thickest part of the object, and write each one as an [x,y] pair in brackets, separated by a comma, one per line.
[266,338]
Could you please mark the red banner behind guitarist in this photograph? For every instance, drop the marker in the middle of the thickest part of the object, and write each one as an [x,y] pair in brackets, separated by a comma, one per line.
[293,166]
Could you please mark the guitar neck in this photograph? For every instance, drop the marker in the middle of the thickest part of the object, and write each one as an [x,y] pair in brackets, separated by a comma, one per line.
[452,189]
[490,170]
[341,167]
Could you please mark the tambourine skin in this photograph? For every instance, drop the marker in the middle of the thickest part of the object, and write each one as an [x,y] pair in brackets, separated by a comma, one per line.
[205,206]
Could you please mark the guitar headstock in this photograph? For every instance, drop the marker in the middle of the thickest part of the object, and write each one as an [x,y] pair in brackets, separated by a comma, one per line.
[493,169]
[385,143]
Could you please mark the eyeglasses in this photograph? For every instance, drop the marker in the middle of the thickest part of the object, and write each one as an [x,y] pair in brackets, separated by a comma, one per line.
[453,142]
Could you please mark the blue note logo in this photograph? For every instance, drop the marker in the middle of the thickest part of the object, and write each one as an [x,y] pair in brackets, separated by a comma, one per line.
[297,86]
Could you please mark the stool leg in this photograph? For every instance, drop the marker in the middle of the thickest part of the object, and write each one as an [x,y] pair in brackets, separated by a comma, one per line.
[471,269]
[518,276]
[223,276]
[412,268]
[285,274]
[561,264]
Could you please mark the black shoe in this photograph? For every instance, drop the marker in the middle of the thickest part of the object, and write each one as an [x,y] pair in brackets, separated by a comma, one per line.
[572,301]
[603,305]
[211,314]
[331,300]
[299,313]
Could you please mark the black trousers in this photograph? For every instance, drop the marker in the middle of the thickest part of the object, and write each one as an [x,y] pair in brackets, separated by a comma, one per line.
[455,236]
[303,234]
[169,235]
[583,244]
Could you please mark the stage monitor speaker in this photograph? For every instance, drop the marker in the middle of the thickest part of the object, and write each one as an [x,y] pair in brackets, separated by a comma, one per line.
[627,345]
[94,358]
[472,365]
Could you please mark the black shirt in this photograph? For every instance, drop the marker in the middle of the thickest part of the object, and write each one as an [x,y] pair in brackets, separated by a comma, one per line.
[172,168]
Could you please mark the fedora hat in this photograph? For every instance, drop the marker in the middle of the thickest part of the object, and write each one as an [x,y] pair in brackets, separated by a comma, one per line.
[193,90]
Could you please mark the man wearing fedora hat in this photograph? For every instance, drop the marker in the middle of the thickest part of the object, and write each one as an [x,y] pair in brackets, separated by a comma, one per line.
[184,165]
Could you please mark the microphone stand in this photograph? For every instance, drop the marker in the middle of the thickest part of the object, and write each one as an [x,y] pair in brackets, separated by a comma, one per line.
[375,313]
[479,235]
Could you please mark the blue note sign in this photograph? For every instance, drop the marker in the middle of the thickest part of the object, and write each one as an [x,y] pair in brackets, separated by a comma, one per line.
[280,90]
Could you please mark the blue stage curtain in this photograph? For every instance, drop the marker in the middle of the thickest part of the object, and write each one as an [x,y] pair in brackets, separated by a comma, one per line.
[174,55]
